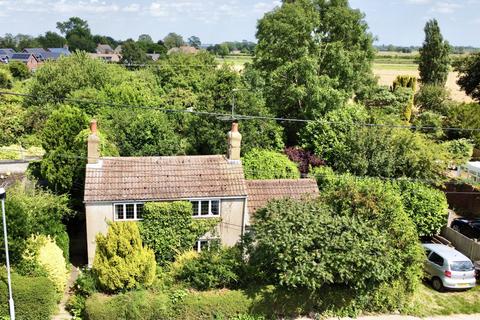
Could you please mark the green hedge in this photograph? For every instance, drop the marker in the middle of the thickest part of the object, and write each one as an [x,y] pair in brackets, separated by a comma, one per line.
[34,298]
[143,304]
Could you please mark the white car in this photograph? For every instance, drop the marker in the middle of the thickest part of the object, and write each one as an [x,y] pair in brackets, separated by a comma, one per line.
[448,268]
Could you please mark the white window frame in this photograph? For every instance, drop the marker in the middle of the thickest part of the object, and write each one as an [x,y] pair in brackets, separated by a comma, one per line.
[198,247]
[198,215]
[124,204]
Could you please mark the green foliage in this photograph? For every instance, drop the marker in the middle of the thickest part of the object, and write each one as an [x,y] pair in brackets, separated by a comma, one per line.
[214,268]
[51,40]
[173,40]
[78,34]
[33,211]
[469,77]
[132,53]
[313,55]
[19,70]
[426,206]
[6,81]
[55,80]
[461,151]
[431,122]
[132,305]
[121,262]
[463,115]
[42,252]
[405,81]
[85,286]
[60,165]
[433,98]
[373,151]
[169,229]
[266,164]
[35,297]
[12,125]
[409,82]
[371,241]
[381,101]
[434,63]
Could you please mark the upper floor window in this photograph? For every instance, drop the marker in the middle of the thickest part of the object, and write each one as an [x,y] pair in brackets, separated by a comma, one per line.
[206,208]
[128,211]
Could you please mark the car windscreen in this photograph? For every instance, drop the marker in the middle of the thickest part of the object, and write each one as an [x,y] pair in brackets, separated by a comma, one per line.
[462,266]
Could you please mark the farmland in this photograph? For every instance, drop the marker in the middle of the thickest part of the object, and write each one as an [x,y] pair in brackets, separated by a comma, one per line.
[387,66]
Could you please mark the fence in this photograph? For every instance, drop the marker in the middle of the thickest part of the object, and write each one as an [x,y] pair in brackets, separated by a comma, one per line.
[467,246]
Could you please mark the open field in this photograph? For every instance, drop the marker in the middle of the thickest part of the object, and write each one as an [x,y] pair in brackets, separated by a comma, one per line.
[387,67]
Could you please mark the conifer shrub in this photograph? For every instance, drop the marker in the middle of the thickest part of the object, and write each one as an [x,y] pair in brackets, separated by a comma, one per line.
[121,261]
[42,255]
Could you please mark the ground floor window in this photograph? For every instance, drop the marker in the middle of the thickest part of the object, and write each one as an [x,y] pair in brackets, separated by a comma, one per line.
[128,211]
[205,244]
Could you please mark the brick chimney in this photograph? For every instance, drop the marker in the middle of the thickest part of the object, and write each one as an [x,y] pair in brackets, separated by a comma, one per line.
[93,150]
[234,141]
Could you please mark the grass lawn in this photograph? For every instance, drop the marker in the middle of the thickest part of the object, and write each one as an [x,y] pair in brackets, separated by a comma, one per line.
[396,67]
[428,302]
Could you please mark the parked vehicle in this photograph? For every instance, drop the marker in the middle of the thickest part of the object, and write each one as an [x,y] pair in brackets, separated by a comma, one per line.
[445,267]
[468,227]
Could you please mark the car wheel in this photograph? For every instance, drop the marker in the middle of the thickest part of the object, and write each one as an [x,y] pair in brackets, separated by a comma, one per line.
[437,284]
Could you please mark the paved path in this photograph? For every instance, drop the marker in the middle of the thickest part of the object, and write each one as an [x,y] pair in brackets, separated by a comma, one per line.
[63,314]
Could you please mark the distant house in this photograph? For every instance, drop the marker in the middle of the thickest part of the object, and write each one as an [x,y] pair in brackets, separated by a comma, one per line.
[109,57]
[153,56]
[183,49]
[116,189]
[29,59]
[104,49]
[6,54]
[63,51]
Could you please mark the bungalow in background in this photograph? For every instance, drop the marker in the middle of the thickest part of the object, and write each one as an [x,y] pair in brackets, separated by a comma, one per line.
[29,59]
[116,189]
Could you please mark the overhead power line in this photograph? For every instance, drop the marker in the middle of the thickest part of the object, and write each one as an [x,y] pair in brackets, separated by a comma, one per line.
[228,116]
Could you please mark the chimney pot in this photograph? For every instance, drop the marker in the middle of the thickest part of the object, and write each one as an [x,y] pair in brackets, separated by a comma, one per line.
[234,143]
[93,144]
[93,126]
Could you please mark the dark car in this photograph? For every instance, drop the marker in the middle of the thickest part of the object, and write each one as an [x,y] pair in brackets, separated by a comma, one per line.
[467,227]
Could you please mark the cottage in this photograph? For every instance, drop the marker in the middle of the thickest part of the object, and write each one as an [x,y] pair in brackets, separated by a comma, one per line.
[29,59]
[104,49]
[116,189]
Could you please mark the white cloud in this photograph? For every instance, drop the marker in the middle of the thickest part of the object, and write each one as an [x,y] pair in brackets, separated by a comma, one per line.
[446,7]
[419,1]
[91,6]
[133,7]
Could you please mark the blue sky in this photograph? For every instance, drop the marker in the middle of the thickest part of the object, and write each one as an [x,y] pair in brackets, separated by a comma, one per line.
[392,21]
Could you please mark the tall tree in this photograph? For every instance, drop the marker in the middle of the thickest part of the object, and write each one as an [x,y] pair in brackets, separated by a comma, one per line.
[173,40]
[194,41]
[132,53]
[469,70]
[145,38]
[434,61]
[313,54]
[77,33]
[51,40]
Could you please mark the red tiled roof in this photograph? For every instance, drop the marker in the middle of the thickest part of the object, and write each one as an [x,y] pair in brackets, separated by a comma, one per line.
[163,178]
[262,191]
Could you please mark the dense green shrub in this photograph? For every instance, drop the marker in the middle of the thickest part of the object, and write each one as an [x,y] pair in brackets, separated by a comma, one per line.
[121,261]
[12,125]
[426,206]
[138,304]
[19,70]
[35,297]
[371,241]
[461,151]
[433,98]
[405,81]
[43,253]
[429,123]
[85,285]
[168,228]
[5,79]
[31,210]
[266,164]
[214,268]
